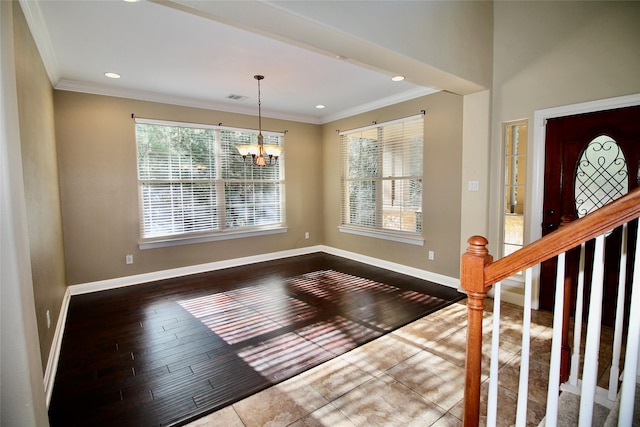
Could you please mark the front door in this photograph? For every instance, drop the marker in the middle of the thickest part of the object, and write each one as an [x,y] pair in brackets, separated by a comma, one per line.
[590,160]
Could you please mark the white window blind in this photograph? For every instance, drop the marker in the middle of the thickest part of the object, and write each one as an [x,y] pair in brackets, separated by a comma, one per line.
[193,181]
[382,176]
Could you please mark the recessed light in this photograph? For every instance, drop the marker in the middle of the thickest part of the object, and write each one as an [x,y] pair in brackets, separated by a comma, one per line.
[319,106]
[397,78]
[112,75]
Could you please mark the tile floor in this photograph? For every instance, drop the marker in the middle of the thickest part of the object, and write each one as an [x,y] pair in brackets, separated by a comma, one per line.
[413,376]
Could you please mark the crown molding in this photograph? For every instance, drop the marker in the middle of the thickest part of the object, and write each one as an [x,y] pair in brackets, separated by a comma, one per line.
[380,103]
[40,33]
[76,86]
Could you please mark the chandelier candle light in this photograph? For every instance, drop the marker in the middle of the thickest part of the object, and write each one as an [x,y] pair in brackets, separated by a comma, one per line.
[259,151]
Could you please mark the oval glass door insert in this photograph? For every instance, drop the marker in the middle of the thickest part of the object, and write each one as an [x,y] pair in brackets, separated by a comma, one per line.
[601,175]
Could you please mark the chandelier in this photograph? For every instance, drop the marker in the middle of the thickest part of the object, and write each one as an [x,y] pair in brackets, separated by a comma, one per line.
[260,152]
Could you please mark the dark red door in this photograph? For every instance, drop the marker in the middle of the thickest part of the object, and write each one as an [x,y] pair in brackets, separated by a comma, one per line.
[590,159]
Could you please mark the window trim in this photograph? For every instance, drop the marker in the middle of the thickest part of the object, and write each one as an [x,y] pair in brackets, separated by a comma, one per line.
[505,128]
[402,237]
[408,237]
[209,236]
[387,123]
[146,121]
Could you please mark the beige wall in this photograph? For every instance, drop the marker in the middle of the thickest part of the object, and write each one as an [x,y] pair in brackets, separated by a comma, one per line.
[40,168]
[441,187]
[474,215]
[96,146]
[452,36]
[22,394]
[549,54]
[98,181]
[545,54]
[442,44]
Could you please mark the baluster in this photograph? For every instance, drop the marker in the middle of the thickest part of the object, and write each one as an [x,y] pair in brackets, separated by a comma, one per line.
[556,342]
[590,369]
[565,353]
[523,384]
[473,263]
[631,359]
[577,327]
[492,400]
[617,331]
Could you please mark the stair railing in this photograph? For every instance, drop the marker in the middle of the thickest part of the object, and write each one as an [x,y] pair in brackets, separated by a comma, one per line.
[479,273]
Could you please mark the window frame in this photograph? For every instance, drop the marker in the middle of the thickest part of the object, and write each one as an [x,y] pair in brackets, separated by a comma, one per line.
[514,132]
[217,184]
[378,230]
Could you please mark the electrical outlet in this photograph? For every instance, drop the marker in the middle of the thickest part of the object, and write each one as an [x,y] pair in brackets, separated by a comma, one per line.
[306,235]
[48,319]
[129,259]
[432,256]
[474,186]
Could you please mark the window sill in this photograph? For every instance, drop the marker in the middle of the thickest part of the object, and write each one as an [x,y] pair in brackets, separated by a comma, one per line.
[177,241]
[396,237]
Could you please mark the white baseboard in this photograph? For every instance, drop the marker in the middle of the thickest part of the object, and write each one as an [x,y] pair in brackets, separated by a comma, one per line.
[121,282]
[101,285]
[137,279]
[450,282]
[512,291]
[514,298]
[56,346]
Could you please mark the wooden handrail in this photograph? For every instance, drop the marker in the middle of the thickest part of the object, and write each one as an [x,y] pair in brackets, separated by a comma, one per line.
[478,274]
[607,218]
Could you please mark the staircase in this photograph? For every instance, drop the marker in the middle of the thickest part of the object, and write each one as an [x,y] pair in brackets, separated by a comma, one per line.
[602,415]
[577,394]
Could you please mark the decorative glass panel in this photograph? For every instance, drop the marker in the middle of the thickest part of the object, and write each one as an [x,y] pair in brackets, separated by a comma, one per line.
[601,175]
[515,149]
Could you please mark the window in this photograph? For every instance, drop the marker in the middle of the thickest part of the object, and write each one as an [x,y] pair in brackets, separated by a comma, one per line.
[515,142]
[193,183]
[382,180]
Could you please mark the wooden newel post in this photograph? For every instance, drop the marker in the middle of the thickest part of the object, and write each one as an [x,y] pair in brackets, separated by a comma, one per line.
[472,281]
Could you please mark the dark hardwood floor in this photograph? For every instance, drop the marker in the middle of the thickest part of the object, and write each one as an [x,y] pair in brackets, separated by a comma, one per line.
[168,352]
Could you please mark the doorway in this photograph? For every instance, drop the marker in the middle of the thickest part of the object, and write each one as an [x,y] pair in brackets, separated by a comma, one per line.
[590,160]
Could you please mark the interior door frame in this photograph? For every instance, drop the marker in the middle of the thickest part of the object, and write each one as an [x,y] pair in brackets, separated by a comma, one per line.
[536,165]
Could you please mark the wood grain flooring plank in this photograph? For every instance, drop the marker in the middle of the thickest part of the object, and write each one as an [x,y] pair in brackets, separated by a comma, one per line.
[163,353]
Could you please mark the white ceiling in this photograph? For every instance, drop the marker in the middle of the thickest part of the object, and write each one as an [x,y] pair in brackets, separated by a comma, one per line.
[168,52]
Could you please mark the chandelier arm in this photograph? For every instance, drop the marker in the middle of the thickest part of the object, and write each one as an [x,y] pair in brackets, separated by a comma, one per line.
[260,152]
